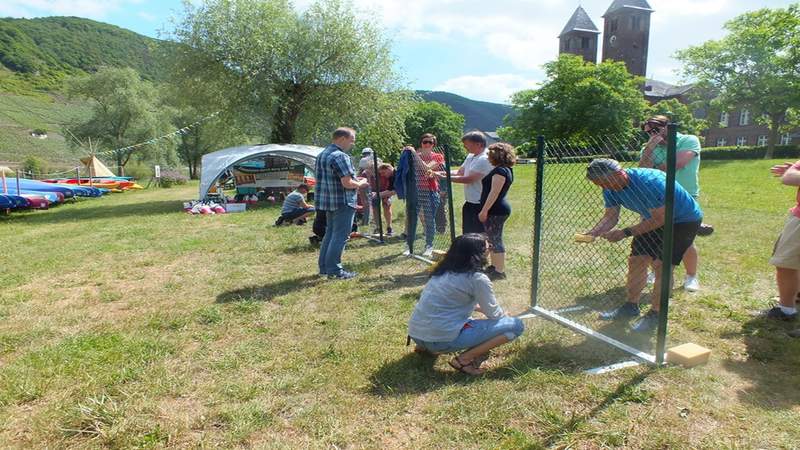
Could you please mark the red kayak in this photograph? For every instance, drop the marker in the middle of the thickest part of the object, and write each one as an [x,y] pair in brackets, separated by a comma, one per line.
[36,201]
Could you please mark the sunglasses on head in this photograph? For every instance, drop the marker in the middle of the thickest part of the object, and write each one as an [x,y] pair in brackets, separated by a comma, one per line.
[428,141]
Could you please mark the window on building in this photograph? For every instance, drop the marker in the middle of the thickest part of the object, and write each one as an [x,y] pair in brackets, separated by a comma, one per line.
[585,42]
[723,119]
[741,141]
[613,25]
[762,140]
[786,139]
[744,117]
[636,23]
[722,142]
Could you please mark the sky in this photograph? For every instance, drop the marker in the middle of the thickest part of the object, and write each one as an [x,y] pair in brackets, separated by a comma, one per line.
[483,50]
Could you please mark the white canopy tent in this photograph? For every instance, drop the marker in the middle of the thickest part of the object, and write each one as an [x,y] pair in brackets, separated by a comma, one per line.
[215,164]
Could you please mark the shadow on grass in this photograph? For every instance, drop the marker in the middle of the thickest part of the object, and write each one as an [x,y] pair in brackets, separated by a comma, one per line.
[771,365]
[387,282]
[269,291]
[67,213]
[415,373]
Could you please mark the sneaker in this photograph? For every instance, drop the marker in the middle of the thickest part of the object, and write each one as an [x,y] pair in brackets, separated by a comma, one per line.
[777,313]
[705,230]
[651,278]
[494,275]
[428,251]
[389,232]
[279,222]
[691,284]
[646,323]
[343,275]
[627,311]
[407,252]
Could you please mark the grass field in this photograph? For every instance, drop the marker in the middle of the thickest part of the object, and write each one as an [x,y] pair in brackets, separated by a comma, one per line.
[126,323]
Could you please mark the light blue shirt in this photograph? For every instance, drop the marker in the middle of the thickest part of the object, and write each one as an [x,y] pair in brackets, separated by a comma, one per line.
[646,190]
[447,303]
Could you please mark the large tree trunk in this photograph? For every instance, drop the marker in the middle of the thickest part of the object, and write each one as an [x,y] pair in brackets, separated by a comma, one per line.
[286,115]
[774,134]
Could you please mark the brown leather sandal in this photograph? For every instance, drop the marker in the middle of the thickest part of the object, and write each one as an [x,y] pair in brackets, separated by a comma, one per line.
[466,368]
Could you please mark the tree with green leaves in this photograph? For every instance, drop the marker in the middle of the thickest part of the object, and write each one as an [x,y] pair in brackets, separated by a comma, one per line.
[578,100]
[124,112]
[442,121]
[679,113]
[756,65]
[297,75]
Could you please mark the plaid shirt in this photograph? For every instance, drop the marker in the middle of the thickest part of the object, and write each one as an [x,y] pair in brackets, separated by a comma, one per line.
[333,164]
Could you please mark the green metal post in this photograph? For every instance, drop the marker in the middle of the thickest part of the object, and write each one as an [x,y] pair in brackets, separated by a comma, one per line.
[449,193]
[537,220]
[666,250]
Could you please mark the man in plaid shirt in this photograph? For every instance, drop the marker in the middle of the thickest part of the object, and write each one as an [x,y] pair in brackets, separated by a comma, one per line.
[336,195]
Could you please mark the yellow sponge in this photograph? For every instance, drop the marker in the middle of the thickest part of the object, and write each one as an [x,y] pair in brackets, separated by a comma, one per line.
[585,238]
[688,355]
[438,255]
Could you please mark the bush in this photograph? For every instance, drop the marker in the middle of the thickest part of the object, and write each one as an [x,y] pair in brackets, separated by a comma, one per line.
[718,153]
[34,165]
[138,170]
[170,177]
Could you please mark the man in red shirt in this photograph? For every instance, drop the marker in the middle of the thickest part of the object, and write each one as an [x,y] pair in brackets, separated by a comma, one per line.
[786,255]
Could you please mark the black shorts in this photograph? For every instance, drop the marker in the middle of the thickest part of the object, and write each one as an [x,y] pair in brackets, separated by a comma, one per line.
[649,244]
[469,218]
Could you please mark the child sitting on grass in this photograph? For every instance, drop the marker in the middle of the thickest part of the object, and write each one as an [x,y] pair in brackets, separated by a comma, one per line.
[295,209]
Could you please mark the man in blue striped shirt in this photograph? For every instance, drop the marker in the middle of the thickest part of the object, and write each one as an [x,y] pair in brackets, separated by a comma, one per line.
[336,195]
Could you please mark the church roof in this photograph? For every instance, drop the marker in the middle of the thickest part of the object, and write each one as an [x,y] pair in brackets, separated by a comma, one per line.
[634,4]
[580,21]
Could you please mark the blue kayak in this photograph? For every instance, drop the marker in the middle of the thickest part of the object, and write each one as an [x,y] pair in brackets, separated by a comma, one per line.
[39,186]
[8,201]
[52,197]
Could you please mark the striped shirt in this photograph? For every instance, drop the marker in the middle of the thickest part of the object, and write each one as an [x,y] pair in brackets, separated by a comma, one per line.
[333,164]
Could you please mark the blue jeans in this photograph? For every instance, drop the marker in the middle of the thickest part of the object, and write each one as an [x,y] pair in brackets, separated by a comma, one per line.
[428,204]
[478,332]
[338,229]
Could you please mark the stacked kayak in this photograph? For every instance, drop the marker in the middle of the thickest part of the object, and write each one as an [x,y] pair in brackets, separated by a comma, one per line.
[8,201]
[115,184]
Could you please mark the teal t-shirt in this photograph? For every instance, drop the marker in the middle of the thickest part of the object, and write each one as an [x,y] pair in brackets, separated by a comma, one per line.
[688,176]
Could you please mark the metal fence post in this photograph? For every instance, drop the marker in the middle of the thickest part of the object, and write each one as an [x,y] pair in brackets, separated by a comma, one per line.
[537,220]
[666,250]
[450,212]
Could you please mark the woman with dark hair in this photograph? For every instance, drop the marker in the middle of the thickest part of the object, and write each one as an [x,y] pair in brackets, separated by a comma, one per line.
[494,206]
[441,321]
[428,187]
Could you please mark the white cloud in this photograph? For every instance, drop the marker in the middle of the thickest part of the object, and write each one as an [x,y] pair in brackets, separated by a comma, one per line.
[491,88]
[146,16]
[667,10]
[95,9]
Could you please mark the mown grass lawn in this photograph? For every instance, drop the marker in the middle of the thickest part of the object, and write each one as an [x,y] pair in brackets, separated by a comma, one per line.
[126,323]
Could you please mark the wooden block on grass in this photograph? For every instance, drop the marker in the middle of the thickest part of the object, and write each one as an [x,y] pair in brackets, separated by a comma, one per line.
[688,355]
[438,255]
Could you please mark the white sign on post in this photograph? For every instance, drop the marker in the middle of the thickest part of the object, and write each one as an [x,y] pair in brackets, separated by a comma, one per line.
[158,171]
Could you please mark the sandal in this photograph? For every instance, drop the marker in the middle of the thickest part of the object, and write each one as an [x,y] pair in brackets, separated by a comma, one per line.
[466,368]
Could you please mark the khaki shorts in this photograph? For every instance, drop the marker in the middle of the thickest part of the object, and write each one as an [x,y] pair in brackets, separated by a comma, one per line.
[787,248]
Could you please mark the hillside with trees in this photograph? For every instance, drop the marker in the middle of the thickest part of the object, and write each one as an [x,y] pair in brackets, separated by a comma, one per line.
[484,116]
[53,46]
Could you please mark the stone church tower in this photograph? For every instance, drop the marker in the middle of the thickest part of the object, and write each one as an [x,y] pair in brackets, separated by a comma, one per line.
[580,36]
[626,34]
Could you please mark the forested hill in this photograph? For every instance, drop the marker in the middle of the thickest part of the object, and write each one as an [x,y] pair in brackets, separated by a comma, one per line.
[51,45]
[484,116]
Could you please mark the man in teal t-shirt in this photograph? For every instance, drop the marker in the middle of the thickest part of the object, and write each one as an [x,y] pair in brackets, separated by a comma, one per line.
[687,164]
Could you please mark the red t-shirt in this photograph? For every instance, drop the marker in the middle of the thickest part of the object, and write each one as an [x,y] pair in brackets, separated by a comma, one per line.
[431,184]
[796,209]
